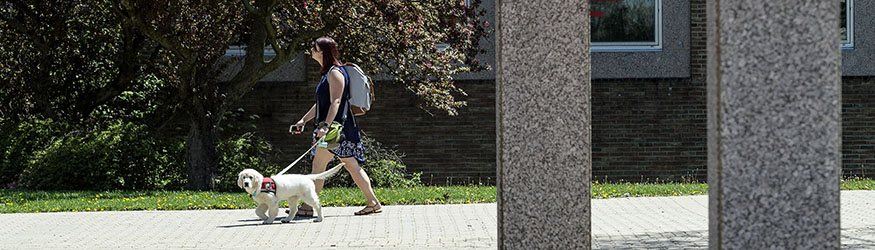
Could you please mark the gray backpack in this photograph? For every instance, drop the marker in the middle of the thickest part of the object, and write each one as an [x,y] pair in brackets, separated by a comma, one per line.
[361,89]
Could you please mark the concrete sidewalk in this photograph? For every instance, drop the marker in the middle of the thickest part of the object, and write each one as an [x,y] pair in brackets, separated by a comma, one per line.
[682,222]
[427,227]
[630,223]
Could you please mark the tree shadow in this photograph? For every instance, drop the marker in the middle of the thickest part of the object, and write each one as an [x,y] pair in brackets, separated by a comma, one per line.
[852,238]
[858,238]
[661,240]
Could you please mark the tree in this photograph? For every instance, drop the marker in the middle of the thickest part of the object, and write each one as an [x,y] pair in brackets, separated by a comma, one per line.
[397,37]
[63,59]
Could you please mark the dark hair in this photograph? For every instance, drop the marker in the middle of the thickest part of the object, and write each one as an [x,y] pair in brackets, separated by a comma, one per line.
[329,53]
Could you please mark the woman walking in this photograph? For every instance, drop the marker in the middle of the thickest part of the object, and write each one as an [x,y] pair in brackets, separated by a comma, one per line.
[332,95]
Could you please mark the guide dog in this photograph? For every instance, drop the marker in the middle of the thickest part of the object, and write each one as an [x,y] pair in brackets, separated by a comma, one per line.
[268,192]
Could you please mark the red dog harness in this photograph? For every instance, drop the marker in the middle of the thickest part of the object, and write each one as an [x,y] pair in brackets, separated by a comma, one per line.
[267,185]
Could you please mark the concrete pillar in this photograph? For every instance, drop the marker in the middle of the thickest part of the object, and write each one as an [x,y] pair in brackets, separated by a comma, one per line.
[774,89]
[543,119]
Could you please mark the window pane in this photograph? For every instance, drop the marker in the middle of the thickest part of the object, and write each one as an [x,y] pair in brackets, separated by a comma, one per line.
[843,22]
[623,21]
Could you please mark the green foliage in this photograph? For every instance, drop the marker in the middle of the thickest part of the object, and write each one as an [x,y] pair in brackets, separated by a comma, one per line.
[122,156]
[19,141]
[60,59]
[388,173]
[146,102]
[422,44]
[97,62]
[48,155]
[383,166]
[238,153]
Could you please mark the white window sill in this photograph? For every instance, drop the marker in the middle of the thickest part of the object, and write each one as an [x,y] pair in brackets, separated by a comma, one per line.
[625,49]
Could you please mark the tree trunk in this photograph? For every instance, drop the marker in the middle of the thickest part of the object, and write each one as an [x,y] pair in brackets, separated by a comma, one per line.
[202,158]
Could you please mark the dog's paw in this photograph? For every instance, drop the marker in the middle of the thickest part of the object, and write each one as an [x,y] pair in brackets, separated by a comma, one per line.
[286,221]
[267,222]
[317,220]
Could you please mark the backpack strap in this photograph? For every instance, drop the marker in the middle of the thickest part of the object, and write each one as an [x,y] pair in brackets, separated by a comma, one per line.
[345,92]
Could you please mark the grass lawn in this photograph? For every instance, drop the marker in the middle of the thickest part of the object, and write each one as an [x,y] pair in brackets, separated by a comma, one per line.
[21,201]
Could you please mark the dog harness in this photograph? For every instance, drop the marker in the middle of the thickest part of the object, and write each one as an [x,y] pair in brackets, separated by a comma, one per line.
[267,186]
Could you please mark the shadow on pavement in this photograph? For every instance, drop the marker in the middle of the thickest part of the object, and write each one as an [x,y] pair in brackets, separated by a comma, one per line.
[852,238]
[858,238]
[277,220]
[660,240]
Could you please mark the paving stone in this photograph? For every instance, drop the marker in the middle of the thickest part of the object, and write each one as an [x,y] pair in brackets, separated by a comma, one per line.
[619,223]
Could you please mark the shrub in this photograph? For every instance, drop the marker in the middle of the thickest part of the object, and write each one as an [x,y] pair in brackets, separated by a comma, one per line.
[18,142]
[122,156]
[388,173]
[383,166]
[238,153]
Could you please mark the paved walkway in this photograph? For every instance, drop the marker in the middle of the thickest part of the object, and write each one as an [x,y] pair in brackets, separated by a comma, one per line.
[653,223]
[682,222]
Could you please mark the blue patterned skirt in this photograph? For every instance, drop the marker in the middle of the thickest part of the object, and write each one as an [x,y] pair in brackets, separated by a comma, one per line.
[347,149]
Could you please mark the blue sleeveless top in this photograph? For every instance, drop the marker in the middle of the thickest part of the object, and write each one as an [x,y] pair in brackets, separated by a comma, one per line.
[352,145]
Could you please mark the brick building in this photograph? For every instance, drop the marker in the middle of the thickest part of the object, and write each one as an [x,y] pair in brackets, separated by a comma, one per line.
[648,100]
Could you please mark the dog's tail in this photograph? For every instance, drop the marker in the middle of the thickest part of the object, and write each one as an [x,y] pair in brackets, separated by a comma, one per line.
[326,174]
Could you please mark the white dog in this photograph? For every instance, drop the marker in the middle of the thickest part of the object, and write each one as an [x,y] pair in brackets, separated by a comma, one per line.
[268,192]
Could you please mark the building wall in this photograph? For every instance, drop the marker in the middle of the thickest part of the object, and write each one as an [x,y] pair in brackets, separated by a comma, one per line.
[860,60]
[858,126]
[649,129]
[458,149]
[642,129]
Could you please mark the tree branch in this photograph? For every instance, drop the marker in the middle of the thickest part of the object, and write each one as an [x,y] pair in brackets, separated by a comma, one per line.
[251,8]
[135,20]
[249,75]
[271,36]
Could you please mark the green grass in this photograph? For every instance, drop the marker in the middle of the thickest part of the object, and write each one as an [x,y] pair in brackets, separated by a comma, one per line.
[858,184]
[613,190]
[20,201]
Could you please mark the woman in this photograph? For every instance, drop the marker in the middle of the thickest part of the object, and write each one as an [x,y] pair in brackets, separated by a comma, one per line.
[331,101]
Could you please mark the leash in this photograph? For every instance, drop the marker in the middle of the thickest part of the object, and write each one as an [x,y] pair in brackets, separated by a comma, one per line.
[302,156]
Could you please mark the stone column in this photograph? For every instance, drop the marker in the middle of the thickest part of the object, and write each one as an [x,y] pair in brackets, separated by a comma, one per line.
[774,89]
[543,119]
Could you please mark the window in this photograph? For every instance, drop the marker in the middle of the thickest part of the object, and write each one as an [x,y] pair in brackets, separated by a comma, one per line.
[846,23]
[238,48]
[626,25]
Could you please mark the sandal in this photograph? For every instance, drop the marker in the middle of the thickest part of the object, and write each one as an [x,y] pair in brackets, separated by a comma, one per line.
[369,210]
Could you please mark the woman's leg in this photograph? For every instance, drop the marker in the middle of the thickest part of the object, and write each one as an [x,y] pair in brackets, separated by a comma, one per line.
[320,162]
[361,180]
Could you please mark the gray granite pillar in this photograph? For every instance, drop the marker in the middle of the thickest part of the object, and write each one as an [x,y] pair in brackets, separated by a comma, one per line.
[543,119]
[774,90]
